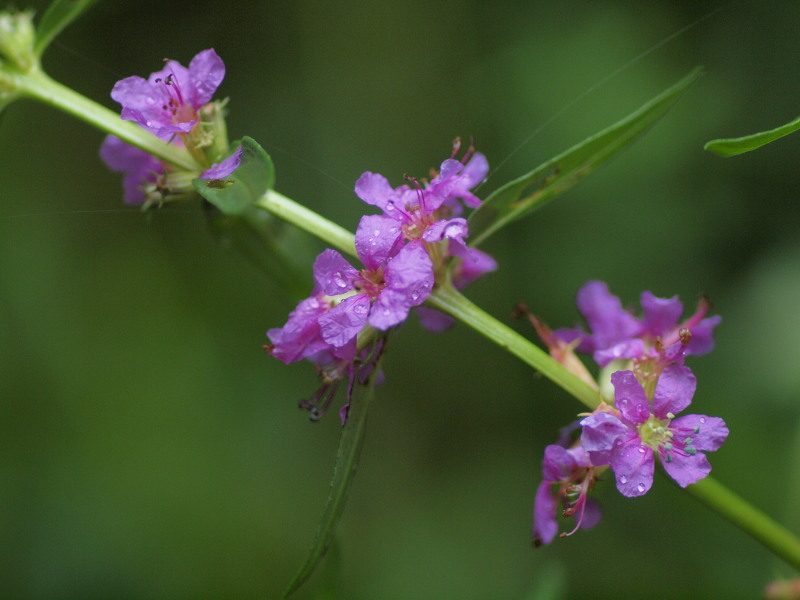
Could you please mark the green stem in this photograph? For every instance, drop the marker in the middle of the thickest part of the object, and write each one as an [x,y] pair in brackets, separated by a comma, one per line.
[37,85]
[448,299]
[748,518]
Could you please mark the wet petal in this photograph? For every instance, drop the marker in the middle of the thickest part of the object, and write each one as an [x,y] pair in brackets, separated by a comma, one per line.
[378,238]
[333,274]
[224,168]
[707,433]
[206,72]
[633,466]
[545,509]
[674,391]
[345,321]
[610,324]
[687,469]
[629,397]
[660,314]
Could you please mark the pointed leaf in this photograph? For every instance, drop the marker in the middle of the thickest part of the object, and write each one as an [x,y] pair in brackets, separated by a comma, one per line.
[519,197]
[734,146]
[236,194]
[344,470]
[58,15]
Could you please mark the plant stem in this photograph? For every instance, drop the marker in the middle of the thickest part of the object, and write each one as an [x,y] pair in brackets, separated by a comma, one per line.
[448,299]
[37,85]
[748,518]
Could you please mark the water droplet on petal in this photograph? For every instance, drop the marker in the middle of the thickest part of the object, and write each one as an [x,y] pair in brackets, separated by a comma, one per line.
[415,295]
[359,309]
[640,488]
[623,479]
[386,312]
[641,449]
[702,419]
[339,280]
[376,233]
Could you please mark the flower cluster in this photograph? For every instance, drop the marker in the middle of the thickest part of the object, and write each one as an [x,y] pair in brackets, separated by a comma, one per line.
[405,252]
[175,105]
[651,386]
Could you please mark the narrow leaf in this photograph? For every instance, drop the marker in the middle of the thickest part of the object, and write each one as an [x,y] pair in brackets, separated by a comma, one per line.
[58,15]
[734,146]
[520,196]
[344,470]
[237,193]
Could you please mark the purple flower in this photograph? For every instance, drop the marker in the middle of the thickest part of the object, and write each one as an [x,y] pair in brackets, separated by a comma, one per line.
[627,437]
[396,278]
[572,471]
[139,169]
[167,103]
[457,178]
[615,333]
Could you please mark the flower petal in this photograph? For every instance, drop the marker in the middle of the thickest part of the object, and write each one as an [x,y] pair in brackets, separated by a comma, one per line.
[674,391]
[629,397]
[378,238]
[374,188]
[633,466]
[600,433]
[545,509]
[660,314]
[707,433]
[632,348]
[333,274]
[687,469]
[610,324]
[225,167]
[206,72]
[345,321]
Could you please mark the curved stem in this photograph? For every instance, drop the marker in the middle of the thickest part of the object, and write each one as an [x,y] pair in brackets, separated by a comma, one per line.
[779,540]
[37,85]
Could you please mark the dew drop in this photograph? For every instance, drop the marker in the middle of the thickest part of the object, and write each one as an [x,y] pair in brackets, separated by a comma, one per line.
[359,309]
[415,295]
[339,280]
[702,419]
[376,233]
[640,488]
[641,450]
[623,480]
[386,312]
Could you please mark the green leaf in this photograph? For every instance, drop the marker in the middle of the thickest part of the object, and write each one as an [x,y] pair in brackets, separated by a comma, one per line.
[236,194]
[347,456]
[520,196]
[58,15]
[734,146]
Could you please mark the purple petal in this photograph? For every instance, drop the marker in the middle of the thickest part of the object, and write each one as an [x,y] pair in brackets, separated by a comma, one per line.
[545,509]
[434,320]
[702,341]
[707,433]
[206,72]
[226,167]
[410,274]
[687,469]
[474,264]
[333,275]
[136,93]
[475,170]
[674,391]
[300,337]
[558,463]
[633,466]
[629,397]
[660,314]
[453,229]
[377,239]
[374,188]
[610,324]
[591,514]
[632,348]
[600,433]
[570,335]
[390,309]
[138,167]
[345,321]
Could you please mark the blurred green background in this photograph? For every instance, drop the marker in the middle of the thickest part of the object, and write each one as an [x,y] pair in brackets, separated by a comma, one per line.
[150,449]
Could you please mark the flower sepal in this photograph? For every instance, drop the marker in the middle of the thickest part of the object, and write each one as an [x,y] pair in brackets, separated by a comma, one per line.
[17,37]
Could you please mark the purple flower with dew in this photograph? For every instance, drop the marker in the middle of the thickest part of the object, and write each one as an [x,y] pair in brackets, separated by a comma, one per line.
[571,470]
[139,169]
[627,436]
[396,277]
[167,103]
[615,333]
[421,212]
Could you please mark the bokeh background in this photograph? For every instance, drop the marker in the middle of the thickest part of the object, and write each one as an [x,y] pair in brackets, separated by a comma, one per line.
[150,449]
